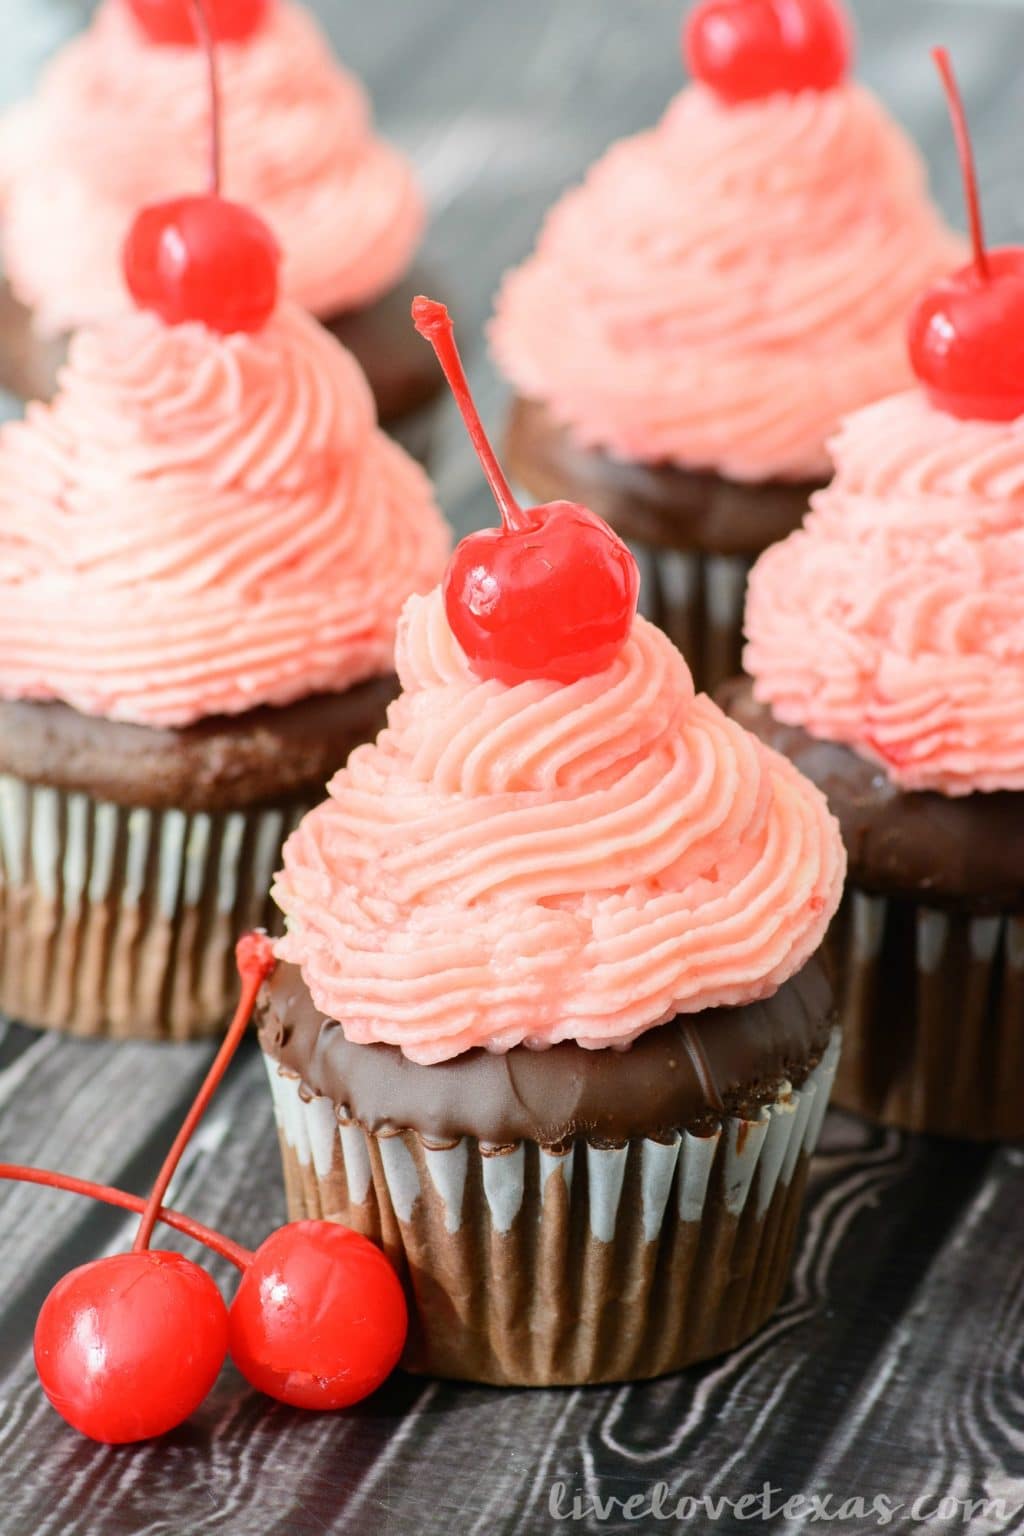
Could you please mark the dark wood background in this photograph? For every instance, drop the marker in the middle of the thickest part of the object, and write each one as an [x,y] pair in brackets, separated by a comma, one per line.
[895,1367]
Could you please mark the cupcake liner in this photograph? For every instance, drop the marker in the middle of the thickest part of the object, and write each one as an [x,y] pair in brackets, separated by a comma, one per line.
[698,600]
[122,921]
[527,1265]
[932,1002]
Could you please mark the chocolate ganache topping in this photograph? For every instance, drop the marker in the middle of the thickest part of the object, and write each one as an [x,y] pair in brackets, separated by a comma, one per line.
[683,1075]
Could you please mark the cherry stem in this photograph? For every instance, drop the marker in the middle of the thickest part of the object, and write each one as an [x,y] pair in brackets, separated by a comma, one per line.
[255,960]
[233,1252]
[202,25]
[434,323]
[965,152]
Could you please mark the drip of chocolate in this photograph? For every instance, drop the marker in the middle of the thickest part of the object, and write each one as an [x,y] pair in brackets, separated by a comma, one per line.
[701,1066]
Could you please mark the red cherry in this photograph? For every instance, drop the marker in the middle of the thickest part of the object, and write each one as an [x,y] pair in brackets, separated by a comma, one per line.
[206,259]
[552,599]
[173,22]
[552,592]
[748,49]
[127,1347]
[966,334]
[202,257]
[319,1319]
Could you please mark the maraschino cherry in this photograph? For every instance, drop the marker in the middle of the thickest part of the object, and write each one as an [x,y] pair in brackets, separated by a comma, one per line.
[203,257]
[747,49]
[966,334]
[549,594]
[127,1347]
[319,1319]
[172,21]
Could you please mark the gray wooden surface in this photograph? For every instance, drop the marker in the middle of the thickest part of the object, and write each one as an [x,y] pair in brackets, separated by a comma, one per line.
[895,1367]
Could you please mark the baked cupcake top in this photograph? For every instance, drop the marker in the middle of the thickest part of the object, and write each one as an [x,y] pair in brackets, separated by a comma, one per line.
[546,861]
[201,523]
[119,121]
[722,289]
[894,620]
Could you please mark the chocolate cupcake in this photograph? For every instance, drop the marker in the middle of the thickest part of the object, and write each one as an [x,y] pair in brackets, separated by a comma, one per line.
[205,542]
[548,1024]
[887,655]
[886,644]
[699,314]
[121,118]
[550,1030]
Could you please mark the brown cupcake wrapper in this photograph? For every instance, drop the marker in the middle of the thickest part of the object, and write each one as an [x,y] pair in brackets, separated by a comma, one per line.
[533,1266]
[698,600]
[121,921]
[932,1003]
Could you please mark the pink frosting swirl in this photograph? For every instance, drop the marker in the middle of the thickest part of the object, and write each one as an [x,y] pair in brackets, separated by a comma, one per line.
[544,862]
[118,123]
[200,523]
[722,289]
[894,620]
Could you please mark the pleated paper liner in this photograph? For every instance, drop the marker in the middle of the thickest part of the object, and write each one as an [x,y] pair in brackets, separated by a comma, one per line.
[120,921]
[932,1003]
[534,1266]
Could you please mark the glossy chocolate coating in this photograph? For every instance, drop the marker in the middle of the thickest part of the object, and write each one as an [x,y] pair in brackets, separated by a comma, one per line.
[680,1076]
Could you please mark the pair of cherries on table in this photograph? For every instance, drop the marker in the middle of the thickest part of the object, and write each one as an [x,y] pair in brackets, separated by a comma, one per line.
[128,1346]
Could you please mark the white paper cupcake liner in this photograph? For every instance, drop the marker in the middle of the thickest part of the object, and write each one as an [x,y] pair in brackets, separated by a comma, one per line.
[932,1002]
[122,921]
[532,1266]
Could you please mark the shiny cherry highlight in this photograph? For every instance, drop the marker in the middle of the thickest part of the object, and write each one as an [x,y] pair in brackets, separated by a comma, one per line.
[172,22]
[128,1347]
[203,258]
[319,1319]
[966,334]
[553,591]
[748,49]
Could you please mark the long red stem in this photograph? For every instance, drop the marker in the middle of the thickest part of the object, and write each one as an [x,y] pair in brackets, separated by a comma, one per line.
[201,22]
[434,323]
[965,152]
[255,959]
[215,1241]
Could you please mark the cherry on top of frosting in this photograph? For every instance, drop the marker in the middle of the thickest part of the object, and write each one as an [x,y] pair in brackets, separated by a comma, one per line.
[203,257]
[748,49]
[549,594]
[172,22]
[966,334]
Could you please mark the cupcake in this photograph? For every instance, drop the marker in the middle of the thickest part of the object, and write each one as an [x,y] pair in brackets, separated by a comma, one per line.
[121,118]
[701,311]
[548,1022]
[886,647]
[205,542]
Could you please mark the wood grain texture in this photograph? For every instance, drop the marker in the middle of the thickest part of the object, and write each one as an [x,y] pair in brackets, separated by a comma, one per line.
[896,1363]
